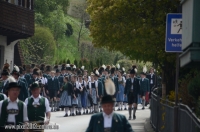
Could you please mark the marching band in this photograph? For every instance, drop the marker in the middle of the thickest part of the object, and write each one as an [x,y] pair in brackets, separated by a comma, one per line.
[71,89]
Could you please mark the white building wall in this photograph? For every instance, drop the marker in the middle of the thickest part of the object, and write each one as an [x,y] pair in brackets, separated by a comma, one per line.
[8,51]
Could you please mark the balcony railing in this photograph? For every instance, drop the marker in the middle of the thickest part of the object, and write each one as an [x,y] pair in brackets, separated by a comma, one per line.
[16,21]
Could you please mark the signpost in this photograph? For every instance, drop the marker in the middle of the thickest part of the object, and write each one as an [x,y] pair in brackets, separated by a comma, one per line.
[174,44]
[173,33]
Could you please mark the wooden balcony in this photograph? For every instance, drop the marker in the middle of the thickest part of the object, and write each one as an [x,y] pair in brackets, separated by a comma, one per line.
[16,22]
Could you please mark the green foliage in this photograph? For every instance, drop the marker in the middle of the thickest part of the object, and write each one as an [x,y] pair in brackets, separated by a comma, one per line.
[194,87]
[75,62]
[56,22]
[91,65]
[64,61]
[80,64]
[40,48]
[68,61]
[140,36]
[137,35]
[69,30]
[52,14]
[46,6]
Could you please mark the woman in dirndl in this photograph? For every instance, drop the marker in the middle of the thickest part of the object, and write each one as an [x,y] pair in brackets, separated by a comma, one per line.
[74,99]
[83,93]
[88,99]
[120,94]
[67,94]
[93,92]
[79,89]
[127,76]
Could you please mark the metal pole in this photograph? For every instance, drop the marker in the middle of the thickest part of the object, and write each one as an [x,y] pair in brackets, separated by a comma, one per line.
[176,95]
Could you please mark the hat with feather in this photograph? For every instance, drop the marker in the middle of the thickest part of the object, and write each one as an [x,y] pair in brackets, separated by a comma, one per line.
[96,72]
[117,67]
[104,67]
[63,67]
[73,67]
[122,70]
[16,70]
[12,83]
[36,71]
[134,67]
[35,85]
[82,68]
[110,90]
[68,67]
[21,69]
[144,71]
[101,69]
[113,70]
[133,71]
[108,68]
[48,68]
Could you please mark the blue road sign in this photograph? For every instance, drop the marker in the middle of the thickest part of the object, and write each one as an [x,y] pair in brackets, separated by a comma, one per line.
[173,33]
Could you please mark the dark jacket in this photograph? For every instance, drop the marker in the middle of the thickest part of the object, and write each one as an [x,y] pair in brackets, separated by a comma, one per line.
[153,79]
[100,87]
[119,123]
[3,88]
[53,84]
[144,85]
[23,91]
[136,86]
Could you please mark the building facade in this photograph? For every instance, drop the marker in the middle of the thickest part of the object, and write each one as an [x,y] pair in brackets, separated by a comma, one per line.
[16,22]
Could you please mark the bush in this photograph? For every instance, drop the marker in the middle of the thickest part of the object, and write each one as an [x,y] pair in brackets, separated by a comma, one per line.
[194,87]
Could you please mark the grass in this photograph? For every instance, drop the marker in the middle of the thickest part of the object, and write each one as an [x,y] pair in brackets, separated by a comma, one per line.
[68,46]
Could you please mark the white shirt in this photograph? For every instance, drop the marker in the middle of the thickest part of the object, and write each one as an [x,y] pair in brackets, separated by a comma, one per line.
[107,120]
[89,78]
[13,105]
[5,82]
[132,81]
[78,85]
[151,82]
[36,101]
[124,80]
[95,82]
[43,80]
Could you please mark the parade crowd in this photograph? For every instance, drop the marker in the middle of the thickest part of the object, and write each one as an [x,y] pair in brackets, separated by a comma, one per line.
[38,90]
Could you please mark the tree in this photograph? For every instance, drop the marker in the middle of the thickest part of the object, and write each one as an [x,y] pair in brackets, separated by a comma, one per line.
[80,63]
[69,30]
[40,48]
[68,61]
[140,36]
[76,62]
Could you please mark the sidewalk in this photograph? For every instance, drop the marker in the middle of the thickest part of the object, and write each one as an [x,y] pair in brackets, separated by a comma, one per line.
[142,122]
[147,126]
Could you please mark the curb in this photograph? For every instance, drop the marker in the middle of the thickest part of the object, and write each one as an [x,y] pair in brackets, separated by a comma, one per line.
[147,126]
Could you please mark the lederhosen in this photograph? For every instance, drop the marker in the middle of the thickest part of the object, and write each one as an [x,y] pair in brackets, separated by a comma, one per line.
[131,97]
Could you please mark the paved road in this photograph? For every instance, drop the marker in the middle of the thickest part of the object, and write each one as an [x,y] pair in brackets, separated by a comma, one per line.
[80,123]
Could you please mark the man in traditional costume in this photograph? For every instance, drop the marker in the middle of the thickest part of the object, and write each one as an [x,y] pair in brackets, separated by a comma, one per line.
[108,121]
[37,107]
